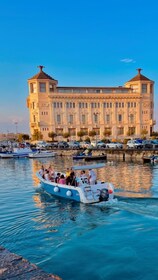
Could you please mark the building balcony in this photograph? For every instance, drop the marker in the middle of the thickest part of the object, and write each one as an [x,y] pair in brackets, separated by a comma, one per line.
[152,122]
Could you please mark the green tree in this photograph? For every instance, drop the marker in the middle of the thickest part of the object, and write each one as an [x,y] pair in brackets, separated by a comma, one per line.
[107,133]
[66,135]
[37,135]
[80,134]
[130,132]
[52,135]
[92,133]
[144,132]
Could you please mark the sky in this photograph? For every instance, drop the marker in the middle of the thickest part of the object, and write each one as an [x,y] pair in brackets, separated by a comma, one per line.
[80,43]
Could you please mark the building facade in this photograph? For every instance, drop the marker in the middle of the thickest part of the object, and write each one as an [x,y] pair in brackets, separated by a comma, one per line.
[116,111]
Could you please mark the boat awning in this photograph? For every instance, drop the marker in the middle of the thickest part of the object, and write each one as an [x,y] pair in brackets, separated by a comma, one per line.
[90,166]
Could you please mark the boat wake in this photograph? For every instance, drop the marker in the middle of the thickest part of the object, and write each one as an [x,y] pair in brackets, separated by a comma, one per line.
[140,206]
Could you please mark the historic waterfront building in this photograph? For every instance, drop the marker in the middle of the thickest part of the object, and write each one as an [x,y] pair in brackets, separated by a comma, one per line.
[118,111]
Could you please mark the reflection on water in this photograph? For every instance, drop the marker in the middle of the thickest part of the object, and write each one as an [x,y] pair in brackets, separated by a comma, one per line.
[59,234]
[129,179]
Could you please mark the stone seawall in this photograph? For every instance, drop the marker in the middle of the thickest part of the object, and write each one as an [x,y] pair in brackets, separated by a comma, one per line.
[16,267]
[121,154]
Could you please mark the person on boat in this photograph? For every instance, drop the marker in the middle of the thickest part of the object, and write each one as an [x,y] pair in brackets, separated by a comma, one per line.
[62,180]
[51,172]
[41,171]
[68,172]
[92,177]
[72,179]
[57,178]
[83,176]
[46,175]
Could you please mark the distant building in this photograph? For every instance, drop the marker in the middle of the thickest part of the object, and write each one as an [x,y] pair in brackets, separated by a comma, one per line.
[118,111]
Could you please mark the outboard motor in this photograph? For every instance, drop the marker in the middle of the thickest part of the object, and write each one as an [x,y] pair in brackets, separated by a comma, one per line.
[104,195]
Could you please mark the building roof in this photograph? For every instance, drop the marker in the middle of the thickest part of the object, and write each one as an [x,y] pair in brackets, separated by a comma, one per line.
[42,75]
[139,77]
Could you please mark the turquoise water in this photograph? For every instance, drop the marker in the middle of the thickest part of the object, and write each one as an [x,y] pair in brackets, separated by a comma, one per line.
[76,241]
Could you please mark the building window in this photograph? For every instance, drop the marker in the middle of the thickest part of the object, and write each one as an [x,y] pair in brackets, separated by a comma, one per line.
[131,130]
[51,87]
[58,119]
[85,130]
[59,131]
[70,119]
[95,117]
[120,130]
[42,87]
[144,88]
[107,118]
[34,118]
[131,118]
[32,87]
[120,118]
[33,105]
[72,131]
[83,119]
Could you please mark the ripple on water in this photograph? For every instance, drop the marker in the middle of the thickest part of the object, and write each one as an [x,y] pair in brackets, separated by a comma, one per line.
[107,243]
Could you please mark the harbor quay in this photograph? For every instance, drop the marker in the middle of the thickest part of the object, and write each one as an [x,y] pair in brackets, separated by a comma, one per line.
[13,266]
[115,154]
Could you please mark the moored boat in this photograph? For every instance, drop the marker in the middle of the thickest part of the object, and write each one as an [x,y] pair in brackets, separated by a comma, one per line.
[6,155]
[83,191]
[150,159]
[42,154]
[96,157]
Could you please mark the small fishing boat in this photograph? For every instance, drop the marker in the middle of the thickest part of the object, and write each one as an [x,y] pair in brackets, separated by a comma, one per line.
[82,192]
[42,154]
[6,155]
[96,157]
[17,152]
[150,159]
[88,156]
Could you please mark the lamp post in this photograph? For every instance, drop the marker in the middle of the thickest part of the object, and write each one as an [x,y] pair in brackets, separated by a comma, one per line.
[96,122]
[16,128]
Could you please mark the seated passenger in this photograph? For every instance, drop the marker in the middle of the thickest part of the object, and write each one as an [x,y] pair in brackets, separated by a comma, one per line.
[62,180]
[57,178]
[41,172]
[46,175]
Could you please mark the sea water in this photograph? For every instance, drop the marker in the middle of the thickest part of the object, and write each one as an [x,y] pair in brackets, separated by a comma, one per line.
[77,241]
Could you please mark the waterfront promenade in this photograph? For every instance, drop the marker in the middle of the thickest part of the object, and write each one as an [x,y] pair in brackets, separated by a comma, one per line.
[16,267]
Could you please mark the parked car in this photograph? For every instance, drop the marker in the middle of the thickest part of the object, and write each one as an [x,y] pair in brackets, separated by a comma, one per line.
[74,145]
[101,144]
[134,144]
[114,145]
[53,145]
[42,144]
[63,144]
[150,144]
[85,144]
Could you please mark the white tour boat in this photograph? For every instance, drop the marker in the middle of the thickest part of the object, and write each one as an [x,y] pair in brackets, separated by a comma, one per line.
[84,191]
[42,154]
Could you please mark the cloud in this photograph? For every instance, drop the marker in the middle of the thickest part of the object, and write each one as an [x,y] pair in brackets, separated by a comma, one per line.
[128,60]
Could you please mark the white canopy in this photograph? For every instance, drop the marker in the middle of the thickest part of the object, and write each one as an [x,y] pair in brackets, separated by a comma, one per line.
[90,166]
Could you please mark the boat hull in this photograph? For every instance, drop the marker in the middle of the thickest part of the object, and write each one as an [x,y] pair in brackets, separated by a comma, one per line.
[99,157]
[59,191]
